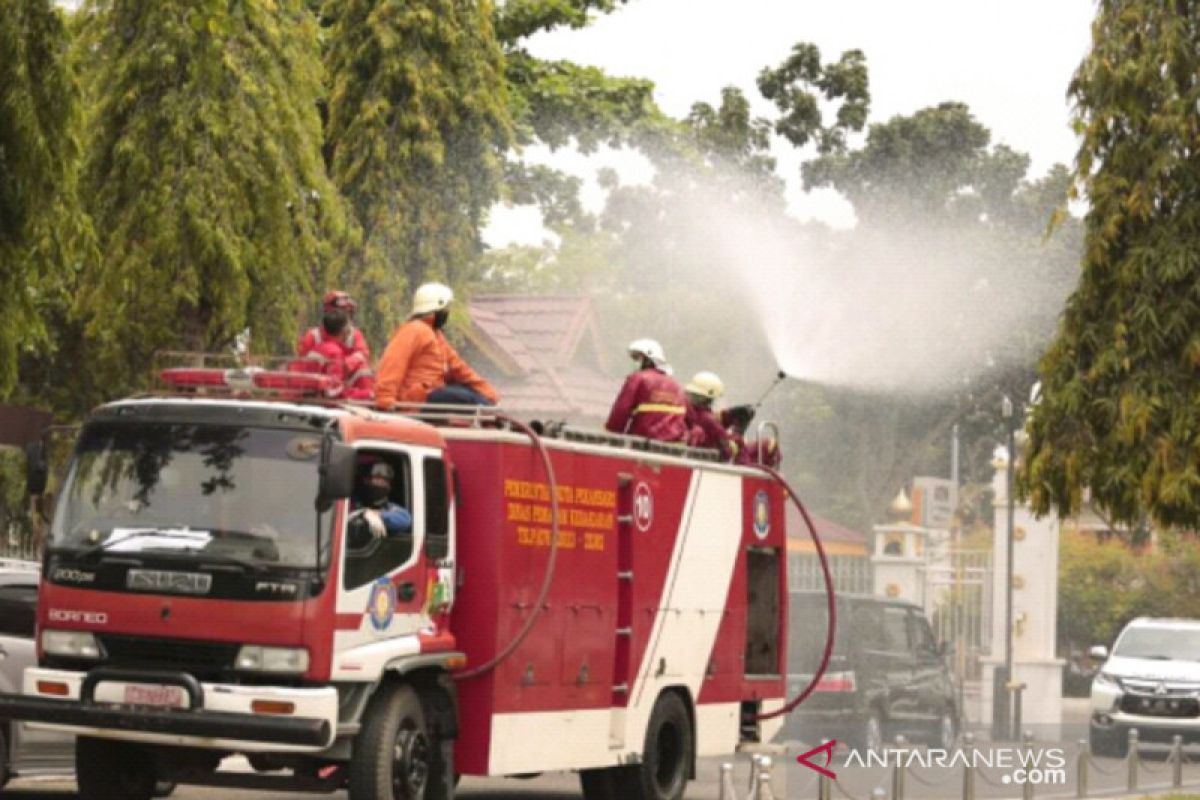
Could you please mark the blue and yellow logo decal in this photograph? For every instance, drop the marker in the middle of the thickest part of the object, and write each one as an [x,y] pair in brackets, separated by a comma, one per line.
[762,514]
[382,605]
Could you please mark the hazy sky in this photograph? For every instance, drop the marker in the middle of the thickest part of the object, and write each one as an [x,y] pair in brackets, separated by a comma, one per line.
[1009,60]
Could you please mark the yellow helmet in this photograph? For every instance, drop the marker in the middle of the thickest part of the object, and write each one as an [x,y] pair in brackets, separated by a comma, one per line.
[706,385]
[431,297]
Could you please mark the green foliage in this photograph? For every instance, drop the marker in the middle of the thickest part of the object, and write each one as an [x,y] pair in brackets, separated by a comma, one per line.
[558,103]
[1120,410]
[41,228]
[1103,585]
[1098,589]
[519,19]
[204,178]
[12,483]
[790,87]
[418,125]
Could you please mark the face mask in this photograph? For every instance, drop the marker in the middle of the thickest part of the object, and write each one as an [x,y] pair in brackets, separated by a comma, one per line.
[440,318]
[334,322]
[376,494]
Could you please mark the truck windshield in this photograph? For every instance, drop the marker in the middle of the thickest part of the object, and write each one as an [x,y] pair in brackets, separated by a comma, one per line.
[227,492]
[1162,644]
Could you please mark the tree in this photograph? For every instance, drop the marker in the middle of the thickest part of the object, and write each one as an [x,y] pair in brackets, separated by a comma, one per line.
[1119,411]
[41,228]
[418,125]
[204,178]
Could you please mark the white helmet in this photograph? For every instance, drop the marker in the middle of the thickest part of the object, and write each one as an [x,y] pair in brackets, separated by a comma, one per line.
[431,297]
[706,384]
[649,349]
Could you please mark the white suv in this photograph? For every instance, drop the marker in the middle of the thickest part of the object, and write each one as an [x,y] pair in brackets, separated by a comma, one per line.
[1150,682]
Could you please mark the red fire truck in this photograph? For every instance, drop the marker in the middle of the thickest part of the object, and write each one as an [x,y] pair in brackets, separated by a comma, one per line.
[570,601]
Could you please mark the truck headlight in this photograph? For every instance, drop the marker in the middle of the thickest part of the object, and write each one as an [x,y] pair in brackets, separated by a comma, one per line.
[1104,679]
[289,660]
[72,644]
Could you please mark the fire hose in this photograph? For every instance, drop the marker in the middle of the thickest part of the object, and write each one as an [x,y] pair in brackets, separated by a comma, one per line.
[540,604]
[830,629]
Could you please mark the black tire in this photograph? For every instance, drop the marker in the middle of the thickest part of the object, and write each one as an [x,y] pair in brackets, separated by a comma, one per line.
[945,731]
[106,769]
[666,755]
[4,756]
[1108,743]
[869,738]
[396,754]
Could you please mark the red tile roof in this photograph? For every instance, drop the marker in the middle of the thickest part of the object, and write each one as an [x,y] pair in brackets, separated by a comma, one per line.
[542,352]
[827,529]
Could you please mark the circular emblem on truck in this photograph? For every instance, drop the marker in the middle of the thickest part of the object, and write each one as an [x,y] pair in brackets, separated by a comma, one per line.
[382,605]
[762,514]
[643,507]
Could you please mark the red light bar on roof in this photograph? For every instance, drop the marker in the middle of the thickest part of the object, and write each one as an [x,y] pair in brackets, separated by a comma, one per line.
[249,379]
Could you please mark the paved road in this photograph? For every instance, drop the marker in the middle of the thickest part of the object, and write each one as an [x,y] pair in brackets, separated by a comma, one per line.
[1106,777]
[853,782]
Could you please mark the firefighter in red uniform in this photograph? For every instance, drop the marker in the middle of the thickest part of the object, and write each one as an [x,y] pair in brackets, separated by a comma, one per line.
[651,403]
[704,429]
[336,347]
[759,451]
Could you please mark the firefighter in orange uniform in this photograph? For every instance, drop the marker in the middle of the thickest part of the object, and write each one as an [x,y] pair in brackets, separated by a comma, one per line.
[420,366]
[651,403]
[704,429]
[336,347]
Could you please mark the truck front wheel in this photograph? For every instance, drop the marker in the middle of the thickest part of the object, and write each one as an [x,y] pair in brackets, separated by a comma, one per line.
[105,769]
[396,754]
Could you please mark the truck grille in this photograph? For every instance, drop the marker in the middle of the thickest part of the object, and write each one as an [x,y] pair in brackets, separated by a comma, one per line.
[201,659]
[1151,706]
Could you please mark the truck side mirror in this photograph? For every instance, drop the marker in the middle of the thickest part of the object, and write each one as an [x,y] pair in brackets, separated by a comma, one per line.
[37,470]
[337,472]
[1098,652]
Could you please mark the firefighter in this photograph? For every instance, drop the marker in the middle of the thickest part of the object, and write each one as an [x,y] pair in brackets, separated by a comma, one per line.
[651,403]
[704,429]
[759,451]
[420,366]
[337,347]
[375,514]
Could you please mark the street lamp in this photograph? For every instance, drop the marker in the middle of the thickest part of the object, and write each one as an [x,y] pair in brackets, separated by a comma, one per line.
[1007,413]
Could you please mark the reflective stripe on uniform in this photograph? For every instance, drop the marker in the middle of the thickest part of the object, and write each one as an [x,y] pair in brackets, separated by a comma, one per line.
[659,408]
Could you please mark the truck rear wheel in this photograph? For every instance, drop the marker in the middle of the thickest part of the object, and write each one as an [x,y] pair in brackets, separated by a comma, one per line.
[666,760]
[396,755]
[106,769]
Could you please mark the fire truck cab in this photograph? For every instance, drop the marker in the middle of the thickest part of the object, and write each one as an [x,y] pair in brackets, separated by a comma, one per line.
[574,601]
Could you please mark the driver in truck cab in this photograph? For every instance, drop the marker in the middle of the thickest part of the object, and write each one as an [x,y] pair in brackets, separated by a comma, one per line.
[375,514]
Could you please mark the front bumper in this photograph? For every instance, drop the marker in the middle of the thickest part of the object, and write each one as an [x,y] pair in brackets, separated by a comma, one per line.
[220,715]
[1108,715]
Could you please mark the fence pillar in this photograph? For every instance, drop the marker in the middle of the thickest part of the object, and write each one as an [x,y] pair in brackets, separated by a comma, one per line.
[1081,769]
[1177,763]
[824,788]
[1027,740]
[1132,760]
[898,772]
[755,775]
[727,790]
[968,789]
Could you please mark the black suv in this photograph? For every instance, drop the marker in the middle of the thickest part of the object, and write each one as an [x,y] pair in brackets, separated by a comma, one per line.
[887,675]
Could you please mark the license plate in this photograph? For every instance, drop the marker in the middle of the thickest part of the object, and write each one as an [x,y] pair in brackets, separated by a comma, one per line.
[152,694]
